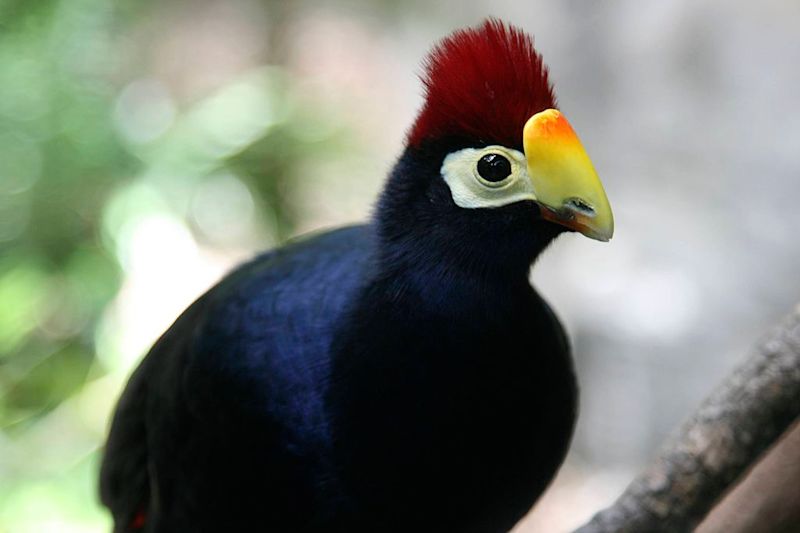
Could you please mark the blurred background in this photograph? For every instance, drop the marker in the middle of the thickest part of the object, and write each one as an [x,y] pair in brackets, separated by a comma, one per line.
[147,147]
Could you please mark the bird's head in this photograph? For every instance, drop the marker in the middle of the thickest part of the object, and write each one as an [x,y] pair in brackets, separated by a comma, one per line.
[490,162]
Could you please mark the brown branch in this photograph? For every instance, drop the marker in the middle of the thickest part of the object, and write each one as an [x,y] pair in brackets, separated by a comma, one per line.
[752,408]
[767,499]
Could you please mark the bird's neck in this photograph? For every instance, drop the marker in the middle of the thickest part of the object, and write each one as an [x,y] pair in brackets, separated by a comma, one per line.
[435,280]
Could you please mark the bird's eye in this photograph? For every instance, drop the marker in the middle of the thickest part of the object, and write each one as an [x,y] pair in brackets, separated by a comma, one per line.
[494,168]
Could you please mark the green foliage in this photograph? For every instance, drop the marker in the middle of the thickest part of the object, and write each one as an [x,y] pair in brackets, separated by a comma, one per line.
[60,158]
[89,148]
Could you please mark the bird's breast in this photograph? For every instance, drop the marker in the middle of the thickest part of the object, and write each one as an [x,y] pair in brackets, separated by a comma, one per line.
[451,419]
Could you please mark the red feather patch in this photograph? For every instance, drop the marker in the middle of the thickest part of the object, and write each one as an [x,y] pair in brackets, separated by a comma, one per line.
[139,520]
[483,84]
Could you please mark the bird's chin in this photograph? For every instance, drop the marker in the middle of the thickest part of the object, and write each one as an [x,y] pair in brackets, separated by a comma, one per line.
[537,224]
[524,235]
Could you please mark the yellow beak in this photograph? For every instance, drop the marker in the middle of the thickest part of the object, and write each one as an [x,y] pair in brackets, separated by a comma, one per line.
[564,181]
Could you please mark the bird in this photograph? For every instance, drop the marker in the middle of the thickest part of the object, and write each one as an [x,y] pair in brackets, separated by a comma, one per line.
[397,375]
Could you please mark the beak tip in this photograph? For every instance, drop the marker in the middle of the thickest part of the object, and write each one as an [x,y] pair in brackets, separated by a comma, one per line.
[599,236]
[602,234]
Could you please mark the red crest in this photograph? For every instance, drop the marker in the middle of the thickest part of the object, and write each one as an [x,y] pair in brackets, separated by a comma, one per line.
[482,84]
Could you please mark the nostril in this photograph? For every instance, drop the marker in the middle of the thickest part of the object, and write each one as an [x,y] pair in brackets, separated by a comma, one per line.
[576,204]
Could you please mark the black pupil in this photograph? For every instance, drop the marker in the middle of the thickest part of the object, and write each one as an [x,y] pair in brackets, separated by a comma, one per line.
[494,167]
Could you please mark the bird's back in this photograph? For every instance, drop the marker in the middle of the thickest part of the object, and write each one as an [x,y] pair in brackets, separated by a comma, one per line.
[224,417]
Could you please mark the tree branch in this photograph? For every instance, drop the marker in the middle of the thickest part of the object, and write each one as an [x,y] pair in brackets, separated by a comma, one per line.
[746,414]
[767,498]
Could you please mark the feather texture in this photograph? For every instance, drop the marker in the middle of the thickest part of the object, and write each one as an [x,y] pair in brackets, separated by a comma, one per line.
[482,84]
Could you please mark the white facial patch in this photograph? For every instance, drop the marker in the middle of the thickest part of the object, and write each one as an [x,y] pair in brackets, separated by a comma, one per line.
[471,191]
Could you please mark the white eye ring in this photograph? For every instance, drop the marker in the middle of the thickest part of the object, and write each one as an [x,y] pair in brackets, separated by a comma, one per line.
[470,190]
